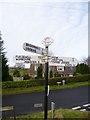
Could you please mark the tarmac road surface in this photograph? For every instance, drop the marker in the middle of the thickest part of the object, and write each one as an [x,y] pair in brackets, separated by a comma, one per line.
[34,102]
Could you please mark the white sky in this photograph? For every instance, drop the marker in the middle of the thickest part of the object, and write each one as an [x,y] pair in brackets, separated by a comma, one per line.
[31,21]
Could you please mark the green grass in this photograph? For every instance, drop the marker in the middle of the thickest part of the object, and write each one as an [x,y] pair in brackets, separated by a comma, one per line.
[59,114]
[11,91]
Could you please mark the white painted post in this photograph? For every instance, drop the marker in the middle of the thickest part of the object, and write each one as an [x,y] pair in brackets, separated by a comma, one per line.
[48,90]
[52,109]
[63,82]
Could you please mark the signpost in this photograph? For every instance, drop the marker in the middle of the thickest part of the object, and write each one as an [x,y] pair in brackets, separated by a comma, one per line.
[35,49]
[32,48]
[23,58]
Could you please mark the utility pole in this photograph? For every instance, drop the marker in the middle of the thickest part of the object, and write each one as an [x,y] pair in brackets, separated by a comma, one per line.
[47,42]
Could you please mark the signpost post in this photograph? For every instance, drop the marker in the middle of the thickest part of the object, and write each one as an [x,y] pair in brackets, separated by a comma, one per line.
[47,42]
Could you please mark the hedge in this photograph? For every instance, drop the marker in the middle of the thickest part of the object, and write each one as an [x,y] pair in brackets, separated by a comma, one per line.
[24,83]
[81,78]
[38,82]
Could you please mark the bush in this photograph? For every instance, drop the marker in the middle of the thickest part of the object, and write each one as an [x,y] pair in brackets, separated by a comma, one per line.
[16,73]
[26,77]
[10,78]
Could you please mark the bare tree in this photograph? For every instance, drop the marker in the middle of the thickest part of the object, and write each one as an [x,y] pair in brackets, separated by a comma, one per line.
[86,60]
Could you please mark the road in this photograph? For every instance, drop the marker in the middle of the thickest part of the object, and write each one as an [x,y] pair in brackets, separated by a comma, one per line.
[63,98]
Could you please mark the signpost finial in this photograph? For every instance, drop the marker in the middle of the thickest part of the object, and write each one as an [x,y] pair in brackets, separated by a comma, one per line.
[47,41]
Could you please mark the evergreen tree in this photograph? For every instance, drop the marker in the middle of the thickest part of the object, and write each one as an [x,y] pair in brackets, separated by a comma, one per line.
[39,71]
[3,61]
[51,74]
[57,74]
[82,68]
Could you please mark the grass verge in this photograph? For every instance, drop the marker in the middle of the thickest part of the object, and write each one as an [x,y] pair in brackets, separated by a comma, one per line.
[12,91]
[59,114]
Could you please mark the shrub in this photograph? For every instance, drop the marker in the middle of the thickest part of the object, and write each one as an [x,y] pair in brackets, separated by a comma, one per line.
[16,73]
[26,77]
[10,78]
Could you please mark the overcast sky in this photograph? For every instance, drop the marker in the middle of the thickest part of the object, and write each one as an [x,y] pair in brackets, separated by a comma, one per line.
[24,21]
